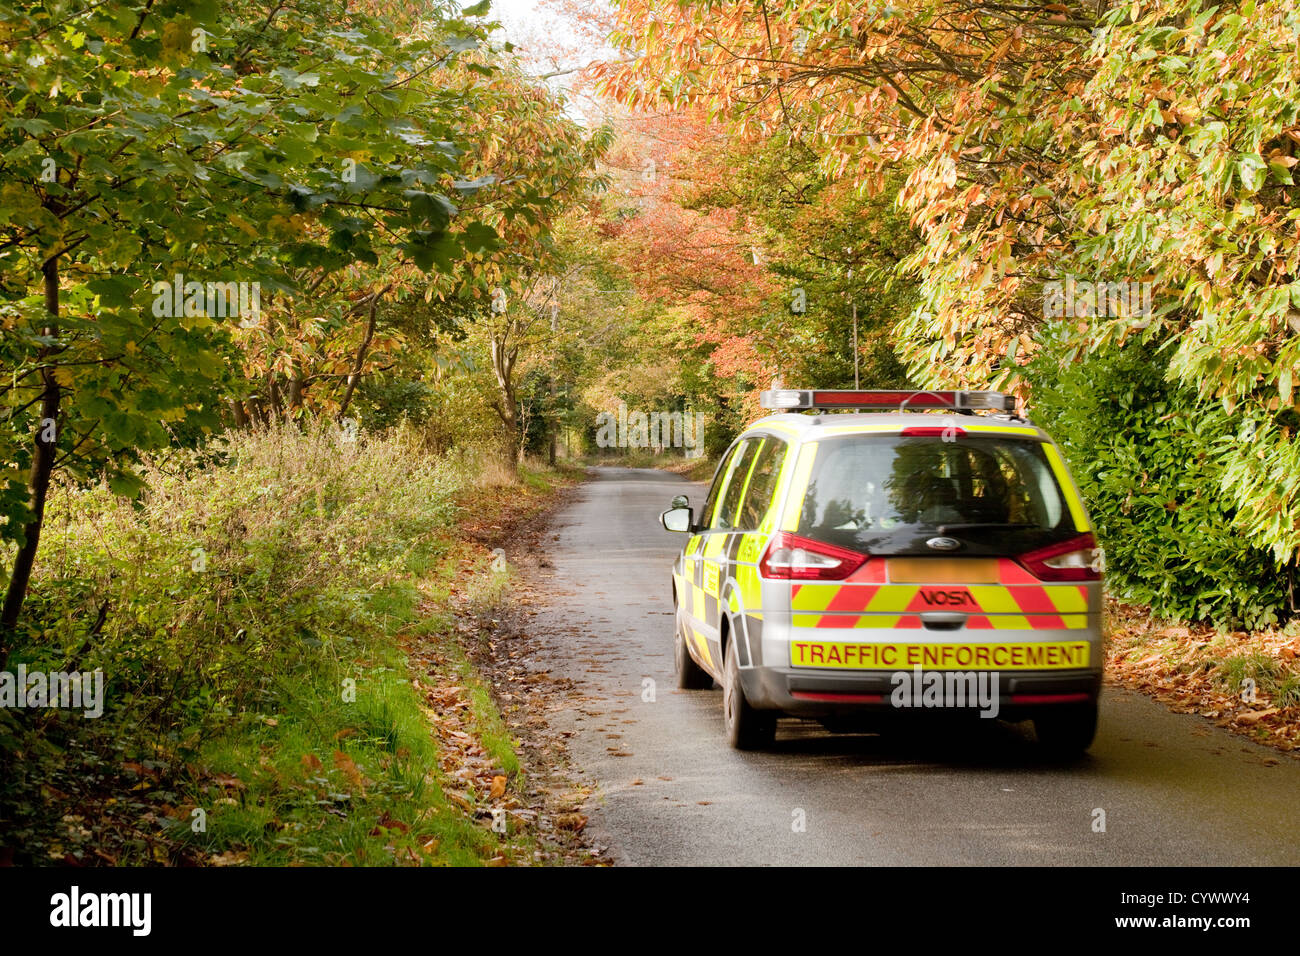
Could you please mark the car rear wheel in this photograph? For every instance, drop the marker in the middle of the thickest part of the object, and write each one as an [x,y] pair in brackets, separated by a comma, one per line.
[690,675]
[1067,731]
[747,728]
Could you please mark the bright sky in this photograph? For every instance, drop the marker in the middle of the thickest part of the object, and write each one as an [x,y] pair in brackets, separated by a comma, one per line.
[515,13]
[530,24]
[548,42]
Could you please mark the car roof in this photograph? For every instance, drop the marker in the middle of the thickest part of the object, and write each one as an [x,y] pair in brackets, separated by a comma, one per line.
[812,427]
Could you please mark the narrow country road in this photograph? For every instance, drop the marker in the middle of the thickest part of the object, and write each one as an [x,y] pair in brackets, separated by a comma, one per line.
[668,791]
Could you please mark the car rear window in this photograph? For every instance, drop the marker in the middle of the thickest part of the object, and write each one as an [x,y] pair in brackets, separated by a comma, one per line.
[890,494]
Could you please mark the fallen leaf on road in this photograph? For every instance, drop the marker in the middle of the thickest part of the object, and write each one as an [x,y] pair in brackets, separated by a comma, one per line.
[571,821]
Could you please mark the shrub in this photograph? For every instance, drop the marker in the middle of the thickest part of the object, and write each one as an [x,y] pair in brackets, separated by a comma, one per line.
[1150,458]
[225,608]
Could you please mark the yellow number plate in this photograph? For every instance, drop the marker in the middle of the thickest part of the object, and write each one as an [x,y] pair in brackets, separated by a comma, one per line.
[1044,656]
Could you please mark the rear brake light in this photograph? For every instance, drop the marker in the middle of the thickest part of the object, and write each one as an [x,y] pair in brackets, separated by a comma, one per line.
[835,697]
[943,431]
[1078,559]
[790,556]
[1077,698]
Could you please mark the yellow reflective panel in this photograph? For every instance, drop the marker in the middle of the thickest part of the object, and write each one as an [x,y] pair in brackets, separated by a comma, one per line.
[1067,597]
[751,588]
[1068,487]
[702,646]
[993,599]
[813,597]
[999,429]
[893,598]
[711,578]
[751,548]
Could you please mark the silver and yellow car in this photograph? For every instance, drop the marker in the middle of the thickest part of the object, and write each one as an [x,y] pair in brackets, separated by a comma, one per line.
[867,552]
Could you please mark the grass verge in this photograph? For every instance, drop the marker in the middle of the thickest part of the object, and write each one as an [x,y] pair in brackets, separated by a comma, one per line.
[1244,681]
[284,683]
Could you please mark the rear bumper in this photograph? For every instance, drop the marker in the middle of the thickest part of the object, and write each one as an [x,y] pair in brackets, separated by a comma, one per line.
[808,693]
[773,680]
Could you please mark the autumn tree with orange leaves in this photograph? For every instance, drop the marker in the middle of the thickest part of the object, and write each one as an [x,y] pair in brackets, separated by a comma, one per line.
[1146,145]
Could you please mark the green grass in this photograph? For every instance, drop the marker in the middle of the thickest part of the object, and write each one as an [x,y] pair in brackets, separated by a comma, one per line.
[301,803]
[1271,679]
[261,712]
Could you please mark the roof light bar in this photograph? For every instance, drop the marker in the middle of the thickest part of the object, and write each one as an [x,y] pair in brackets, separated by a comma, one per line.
[791,399]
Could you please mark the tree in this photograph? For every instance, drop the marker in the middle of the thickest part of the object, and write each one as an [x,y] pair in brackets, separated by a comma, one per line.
[541,165]
[1149,145]
[229,145]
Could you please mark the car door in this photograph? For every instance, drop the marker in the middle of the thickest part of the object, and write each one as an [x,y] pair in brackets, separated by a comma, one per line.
[742,587]
[693,596]
[722,533]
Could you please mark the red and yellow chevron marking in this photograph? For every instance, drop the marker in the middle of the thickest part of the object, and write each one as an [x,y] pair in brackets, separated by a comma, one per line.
[1018,602]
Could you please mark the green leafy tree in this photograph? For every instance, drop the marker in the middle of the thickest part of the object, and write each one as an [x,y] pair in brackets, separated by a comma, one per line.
[224,143]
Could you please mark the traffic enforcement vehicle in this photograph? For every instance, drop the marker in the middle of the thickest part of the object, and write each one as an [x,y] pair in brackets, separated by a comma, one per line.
[862,552]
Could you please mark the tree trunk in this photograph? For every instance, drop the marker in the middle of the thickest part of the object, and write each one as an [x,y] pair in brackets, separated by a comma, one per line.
[360,361]
[240,413]
[42,468]
[295,392]
[507,406]
[274,401]
[553,424]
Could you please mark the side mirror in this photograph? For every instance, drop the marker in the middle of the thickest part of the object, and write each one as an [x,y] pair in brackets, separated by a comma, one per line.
[678,519]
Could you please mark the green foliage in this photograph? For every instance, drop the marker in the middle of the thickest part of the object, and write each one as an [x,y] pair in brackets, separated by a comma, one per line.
[225,143]
[1154,142]
[384,401]
[238,595]
[1197,195]
[833,245]
[1150,459]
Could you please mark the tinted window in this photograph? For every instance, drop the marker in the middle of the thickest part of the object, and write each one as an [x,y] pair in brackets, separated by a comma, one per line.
[889,494]
[762,482]
[726,516]
[718,480]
